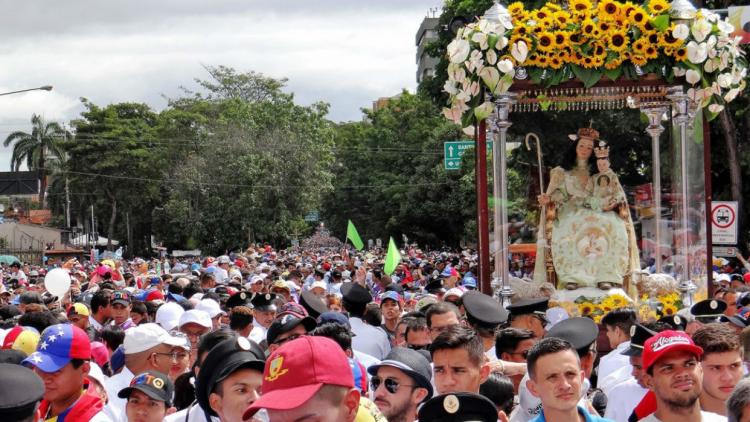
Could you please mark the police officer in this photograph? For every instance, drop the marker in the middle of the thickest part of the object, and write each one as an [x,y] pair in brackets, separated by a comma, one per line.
[20,402]
[484,314]
[529,314]
[264,312]
[458,407]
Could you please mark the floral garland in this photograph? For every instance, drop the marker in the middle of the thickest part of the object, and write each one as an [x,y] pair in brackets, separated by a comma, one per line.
[594,308]
[588,41]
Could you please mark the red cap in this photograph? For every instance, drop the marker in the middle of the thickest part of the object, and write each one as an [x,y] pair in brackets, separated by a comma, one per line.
[326,266]
[746,277]
[298,369]
[11,336]
[155,295]
[667,342]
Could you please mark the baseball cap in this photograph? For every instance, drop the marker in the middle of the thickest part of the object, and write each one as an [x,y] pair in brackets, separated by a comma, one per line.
[154,295]
[666,342]
[58,345]
[145,336]
[410,362]
[321,284]
[121,297]
[295,372]
[285,323]
[197,317]
[335,318]
[211,307]
[390,294]
[454,292]
[151,383]
[78,309]
[168,315]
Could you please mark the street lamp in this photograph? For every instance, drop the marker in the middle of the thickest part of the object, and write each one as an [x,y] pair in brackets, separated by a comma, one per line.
[41,88]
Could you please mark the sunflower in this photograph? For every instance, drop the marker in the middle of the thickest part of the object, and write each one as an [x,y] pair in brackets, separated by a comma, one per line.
[588,62]
[562,18]
[680,54]
[638,17]
[639,46]
[545,41]
[555,63]
[598,50]
[579,7]
[520,30]
[541,14]
[575,38]
[516,9]
[618,41]
[546,23]
[561,38]
[553,7]
[657,7]
[638,60]
[652,37]
[625,10]
[669,51]
[668,41]
[542,61]
[588,27]
[651,52]
[669,310]
[608,9]
[585,309]
[613,64]
[604,26]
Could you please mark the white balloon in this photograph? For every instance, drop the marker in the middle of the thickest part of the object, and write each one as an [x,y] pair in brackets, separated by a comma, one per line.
[57,282]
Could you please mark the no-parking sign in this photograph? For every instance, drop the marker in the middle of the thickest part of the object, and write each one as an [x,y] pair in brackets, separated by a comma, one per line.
[724,222]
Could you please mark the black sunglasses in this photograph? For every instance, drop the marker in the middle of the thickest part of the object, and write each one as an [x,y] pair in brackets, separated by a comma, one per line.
[418,346]
[391,385]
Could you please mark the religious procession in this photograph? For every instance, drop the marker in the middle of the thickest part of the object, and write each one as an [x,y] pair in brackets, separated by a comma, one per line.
[574,254]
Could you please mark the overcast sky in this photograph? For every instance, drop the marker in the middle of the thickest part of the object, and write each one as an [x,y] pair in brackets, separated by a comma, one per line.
[344,52]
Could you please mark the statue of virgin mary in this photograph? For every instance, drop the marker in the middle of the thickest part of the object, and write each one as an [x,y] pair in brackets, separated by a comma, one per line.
[589,236]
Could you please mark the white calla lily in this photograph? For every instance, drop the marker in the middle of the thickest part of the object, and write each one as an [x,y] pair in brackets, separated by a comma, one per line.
[710,65]
[678,71]
[724,80]
[491,77]
[450,87]
[700,29]
[680,31]
[731,94]
[469,131]
[491,57]
[715,108]
[458,50]
[697,53]
[505,66]
[725,27]
[519,51]
[481,39]
[501,43]
[692,77]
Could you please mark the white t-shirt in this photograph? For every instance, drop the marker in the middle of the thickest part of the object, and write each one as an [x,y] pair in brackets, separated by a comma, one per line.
[614,360]
[705,417]
[622,399]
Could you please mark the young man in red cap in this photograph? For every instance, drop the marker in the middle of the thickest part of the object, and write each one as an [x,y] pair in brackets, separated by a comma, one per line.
[62,362]
[673,372]
[308,379]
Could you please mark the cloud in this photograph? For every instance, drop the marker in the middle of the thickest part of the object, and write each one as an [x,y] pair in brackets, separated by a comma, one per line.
[346,53]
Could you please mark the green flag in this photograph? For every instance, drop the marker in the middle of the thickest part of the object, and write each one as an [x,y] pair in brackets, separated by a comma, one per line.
[392,258]
[351,234]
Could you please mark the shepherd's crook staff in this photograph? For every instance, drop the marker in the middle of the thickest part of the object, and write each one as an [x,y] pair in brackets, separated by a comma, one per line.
[542,236]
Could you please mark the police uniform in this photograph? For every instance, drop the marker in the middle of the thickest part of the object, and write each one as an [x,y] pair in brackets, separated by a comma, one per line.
[628,393]
[238,299]
[484,312]
[458,407]
[262,302]
[535,306]
[677,322]
[709,310]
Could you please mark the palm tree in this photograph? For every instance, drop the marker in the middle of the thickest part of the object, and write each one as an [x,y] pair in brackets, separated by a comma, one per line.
[40,149]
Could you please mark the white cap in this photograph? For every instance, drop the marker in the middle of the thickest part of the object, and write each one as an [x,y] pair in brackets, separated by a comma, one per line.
[223,260]
[454,292]
[197,296]
[96,373]
[211,307]
[168,315]
[197,317]
[320,284]
[555,315]
[346,275]
[146,336]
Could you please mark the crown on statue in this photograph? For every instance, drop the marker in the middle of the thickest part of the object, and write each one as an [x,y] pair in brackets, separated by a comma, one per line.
[588,132]
[601,150]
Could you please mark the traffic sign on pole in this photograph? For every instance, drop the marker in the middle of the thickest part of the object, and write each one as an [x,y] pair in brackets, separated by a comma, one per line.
[453,151]
[724,222]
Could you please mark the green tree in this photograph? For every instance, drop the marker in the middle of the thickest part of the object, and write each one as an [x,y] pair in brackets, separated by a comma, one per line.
[40,150]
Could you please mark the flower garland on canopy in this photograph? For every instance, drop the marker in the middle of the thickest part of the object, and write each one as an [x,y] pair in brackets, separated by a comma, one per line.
[589,41]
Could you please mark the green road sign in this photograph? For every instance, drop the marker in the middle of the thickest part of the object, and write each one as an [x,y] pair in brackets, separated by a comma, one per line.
[454,150]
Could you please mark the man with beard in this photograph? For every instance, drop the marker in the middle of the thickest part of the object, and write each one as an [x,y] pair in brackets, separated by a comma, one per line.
[400,383]
[674,374]
[721,363]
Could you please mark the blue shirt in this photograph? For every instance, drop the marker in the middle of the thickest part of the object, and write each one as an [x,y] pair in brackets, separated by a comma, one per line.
[582,410]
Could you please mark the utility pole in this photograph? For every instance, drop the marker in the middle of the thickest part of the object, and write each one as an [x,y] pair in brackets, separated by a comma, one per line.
[95,238]
[67,204]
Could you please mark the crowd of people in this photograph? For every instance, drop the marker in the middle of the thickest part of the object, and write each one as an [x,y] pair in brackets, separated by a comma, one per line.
[268,335]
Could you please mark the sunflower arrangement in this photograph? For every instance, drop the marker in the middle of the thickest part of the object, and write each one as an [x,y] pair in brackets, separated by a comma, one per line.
[591,39]
[652,308]
[594,308]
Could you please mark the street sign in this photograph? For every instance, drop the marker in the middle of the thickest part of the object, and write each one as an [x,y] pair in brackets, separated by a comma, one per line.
[454,150]
[725,251]
[312,216]
[724,222]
